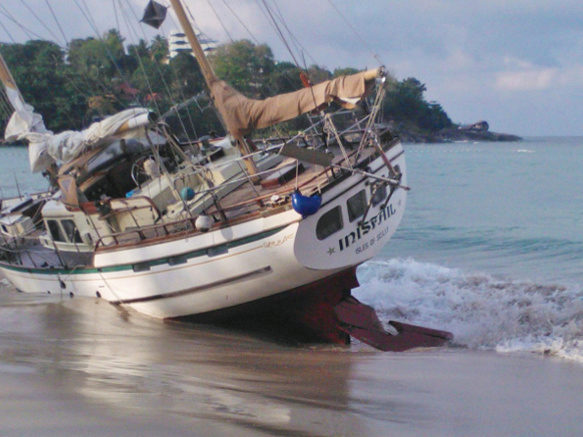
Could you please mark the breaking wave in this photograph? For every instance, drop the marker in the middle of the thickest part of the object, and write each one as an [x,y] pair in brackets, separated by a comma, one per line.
[483,312]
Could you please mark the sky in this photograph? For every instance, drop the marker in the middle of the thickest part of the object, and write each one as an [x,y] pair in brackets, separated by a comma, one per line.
[516,63]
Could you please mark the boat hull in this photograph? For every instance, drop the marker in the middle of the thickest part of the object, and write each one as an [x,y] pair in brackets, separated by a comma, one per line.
[238,265]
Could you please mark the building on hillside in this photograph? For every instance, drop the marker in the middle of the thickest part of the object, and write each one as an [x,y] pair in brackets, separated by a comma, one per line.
[178,43]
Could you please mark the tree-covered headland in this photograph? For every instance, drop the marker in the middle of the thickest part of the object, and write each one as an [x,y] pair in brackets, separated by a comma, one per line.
[94,77]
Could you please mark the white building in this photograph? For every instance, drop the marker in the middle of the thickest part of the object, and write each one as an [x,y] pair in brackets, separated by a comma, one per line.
[178,43]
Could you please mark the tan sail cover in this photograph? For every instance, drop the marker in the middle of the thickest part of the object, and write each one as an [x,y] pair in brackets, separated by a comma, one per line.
[243,115]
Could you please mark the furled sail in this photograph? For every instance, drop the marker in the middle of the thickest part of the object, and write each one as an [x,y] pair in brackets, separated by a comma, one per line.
[45,147]
[243,115]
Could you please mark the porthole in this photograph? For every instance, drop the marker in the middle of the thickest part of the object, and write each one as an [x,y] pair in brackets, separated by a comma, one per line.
[329,223]
[379,193]
[356,205]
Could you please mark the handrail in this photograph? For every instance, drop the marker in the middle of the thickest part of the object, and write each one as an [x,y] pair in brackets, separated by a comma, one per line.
[166,228]
[141,232]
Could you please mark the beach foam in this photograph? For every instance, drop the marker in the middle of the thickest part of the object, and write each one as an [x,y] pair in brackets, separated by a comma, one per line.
[483,312]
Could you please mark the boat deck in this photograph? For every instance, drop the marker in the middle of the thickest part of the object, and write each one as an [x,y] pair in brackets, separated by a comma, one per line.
[281,181]
[264,195]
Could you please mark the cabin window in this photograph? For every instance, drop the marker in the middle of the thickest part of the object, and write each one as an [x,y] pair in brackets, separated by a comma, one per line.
[71,231]
[4,229]
[141,267]
[379,193]
[329,223]
[55,231]
[356,205]
[175,260]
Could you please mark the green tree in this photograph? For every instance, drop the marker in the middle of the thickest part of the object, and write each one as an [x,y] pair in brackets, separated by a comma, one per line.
[159,49]
[39,70]
[405,102]
[99,77]
[98,59]
[187,79]
[284,78]
[344,71]
[245,66]
[318,74]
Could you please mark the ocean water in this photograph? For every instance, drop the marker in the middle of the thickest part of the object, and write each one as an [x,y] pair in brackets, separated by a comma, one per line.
[491,246]
[15,175]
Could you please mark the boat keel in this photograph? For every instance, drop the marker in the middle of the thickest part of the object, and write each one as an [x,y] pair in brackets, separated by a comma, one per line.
[325,311]
[361,321]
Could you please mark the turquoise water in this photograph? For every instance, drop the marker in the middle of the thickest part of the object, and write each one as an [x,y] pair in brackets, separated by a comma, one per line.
[514,209]
[490,248]
[15,176]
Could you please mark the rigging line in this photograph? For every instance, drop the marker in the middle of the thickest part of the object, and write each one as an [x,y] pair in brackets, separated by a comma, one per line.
[89,18]
[7,32]
[252,37]
[5,102]
[42,23]
[277,29]
[164,82]
[305,69]
[240,22]
[22,27]
[56,21]
[220,21]
[3,91]
[181,94]
[366,44]
[72,82]
[299,46]
[196,27]
[5,106]
[287,45]
[115,12]
[279,32]
[5,110]
[141,64]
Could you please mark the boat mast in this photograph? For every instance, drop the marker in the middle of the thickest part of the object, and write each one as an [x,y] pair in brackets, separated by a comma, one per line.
[208,74]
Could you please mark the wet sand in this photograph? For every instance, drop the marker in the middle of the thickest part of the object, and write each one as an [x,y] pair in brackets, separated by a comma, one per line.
[83,367]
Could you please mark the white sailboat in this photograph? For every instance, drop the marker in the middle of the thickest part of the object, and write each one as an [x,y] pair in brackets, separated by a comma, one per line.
[235,227]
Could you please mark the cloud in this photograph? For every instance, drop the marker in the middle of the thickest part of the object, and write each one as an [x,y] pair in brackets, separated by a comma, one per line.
[474,55]
[528,80]
[523,75]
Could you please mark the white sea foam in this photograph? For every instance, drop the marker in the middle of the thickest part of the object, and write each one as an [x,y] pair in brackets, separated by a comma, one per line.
[483,312]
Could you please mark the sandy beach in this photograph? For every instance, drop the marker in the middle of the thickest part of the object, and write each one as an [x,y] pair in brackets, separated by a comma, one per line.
[83,367]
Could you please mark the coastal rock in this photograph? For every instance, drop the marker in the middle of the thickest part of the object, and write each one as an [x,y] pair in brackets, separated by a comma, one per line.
[478,131]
